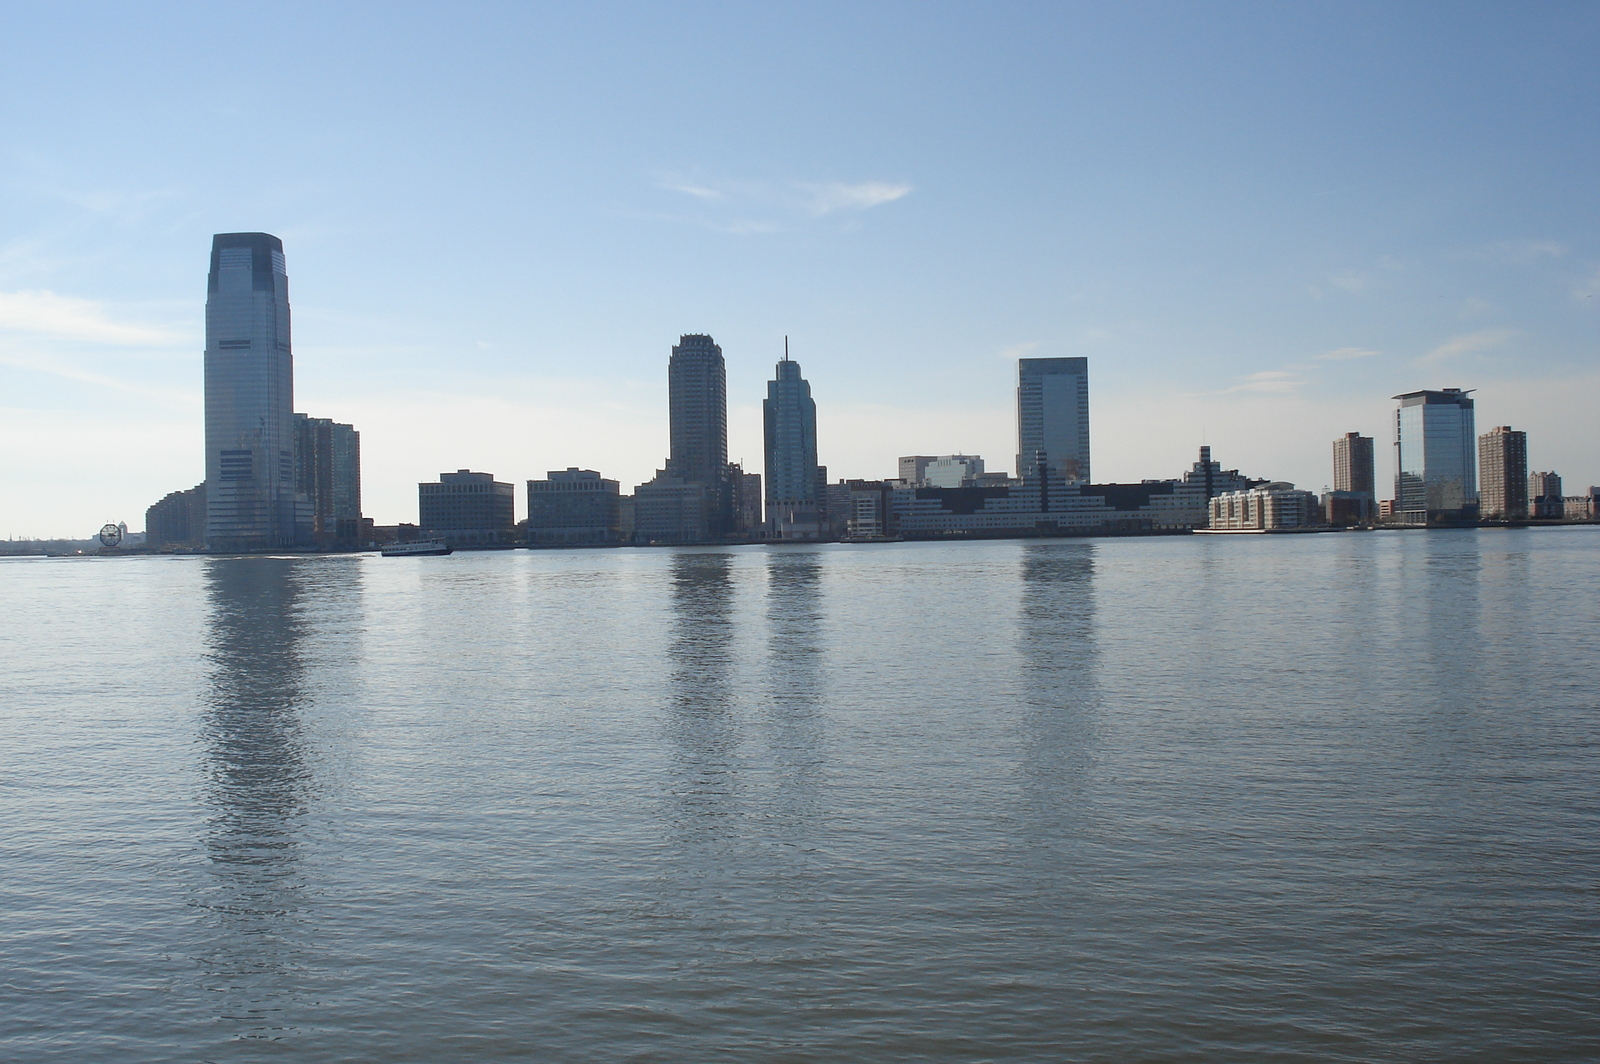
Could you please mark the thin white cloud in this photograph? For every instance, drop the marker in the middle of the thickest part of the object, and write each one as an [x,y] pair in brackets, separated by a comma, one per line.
[1016,351]
[66,371]
[1466,344]
[1354,283]
[1344,354]
[744,208]
[1268,382]
[837,196]
[40,311]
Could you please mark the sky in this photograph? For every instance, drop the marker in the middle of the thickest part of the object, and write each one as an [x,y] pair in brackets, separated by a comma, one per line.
[1259,222]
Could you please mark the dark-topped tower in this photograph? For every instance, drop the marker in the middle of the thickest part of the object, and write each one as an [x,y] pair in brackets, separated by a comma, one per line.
[697,395]
[249,369]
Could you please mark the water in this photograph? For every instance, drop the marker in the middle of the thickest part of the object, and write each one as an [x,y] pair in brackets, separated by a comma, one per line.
[1321,798]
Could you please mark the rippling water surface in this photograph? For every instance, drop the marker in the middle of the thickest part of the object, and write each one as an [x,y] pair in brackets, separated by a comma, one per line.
[1322,798]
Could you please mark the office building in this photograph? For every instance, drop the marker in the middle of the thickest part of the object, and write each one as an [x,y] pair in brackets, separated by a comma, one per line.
[573,508]
[1353,467]
[691,499]
[953,471]
[1544,496]
[467,509]
[789,418]
[1436,465]
[1053,415]
[178,520]
[912,466]
[747,510]
[1503,473]
[1348,509]
[328,473]
[249,399]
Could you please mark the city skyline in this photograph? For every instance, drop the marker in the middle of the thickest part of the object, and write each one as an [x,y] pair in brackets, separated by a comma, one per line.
[1253,253]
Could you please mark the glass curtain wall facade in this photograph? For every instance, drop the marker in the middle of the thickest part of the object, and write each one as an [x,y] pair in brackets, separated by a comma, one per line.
[249,396]
[1436,469]
[1053,416]
[789,416]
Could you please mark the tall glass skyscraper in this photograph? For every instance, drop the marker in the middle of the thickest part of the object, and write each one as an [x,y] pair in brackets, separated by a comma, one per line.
[249,367]
[1435,447]
[1053,416]
[790,417]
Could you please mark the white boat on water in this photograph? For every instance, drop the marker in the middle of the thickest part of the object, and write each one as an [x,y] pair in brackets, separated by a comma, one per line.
[422,546]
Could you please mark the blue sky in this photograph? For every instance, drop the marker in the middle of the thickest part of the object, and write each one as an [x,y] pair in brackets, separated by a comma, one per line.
[1258,221]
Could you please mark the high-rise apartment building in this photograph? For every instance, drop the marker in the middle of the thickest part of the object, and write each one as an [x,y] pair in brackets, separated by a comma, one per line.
[1436,468]
[1353,466]
[249,396]
[691,500]
[789,416]
[1503,473]
[327,458]
[179,520]
[697,396]
[1053,415]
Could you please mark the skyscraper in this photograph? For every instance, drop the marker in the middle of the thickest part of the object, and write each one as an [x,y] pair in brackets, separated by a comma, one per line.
[1436,469]
[1053,415]
[249,371]
[790,418]
[691,500]
[697,396]
[1353,468]
[1503,472]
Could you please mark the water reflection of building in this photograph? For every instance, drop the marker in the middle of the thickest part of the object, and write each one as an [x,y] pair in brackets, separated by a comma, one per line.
[796,678]
[257,781]
[1056,639]
[702,732]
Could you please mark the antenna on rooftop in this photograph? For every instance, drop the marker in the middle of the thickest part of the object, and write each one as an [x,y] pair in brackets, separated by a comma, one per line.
[786,347]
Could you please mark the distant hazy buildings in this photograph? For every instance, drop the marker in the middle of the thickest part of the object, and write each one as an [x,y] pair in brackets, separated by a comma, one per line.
[249,398]
[789,419]
[327,458]
[1503,473]
[467,509]
[952,471]
[574,507]
[691,500]
[1544,496]
[179,520]
[1435,457]
[1053,415]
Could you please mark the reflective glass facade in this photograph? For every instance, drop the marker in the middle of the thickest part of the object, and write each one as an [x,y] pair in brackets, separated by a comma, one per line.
[789,417]
[249,370]
[1053,415]
[1436,455]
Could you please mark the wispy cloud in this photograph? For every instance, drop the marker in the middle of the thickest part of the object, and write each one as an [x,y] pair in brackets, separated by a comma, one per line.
[1345,354]
[747,208]
[1269,382]
[1016,351]
[837,196]
[66,371]
[1466,344]
[40,311]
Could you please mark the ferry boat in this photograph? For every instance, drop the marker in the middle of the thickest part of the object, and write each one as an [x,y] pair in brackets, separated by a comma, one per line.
[421,546]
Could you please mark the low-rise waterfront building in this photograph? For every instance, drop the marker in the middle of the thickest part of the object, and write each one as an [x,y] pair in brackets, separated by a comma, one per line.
[465,509]
[1269,508]
[574,507]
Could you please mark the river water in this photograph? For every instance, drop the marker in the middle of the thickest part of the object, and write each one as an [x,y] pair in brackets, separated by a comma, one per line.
[1300,798]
